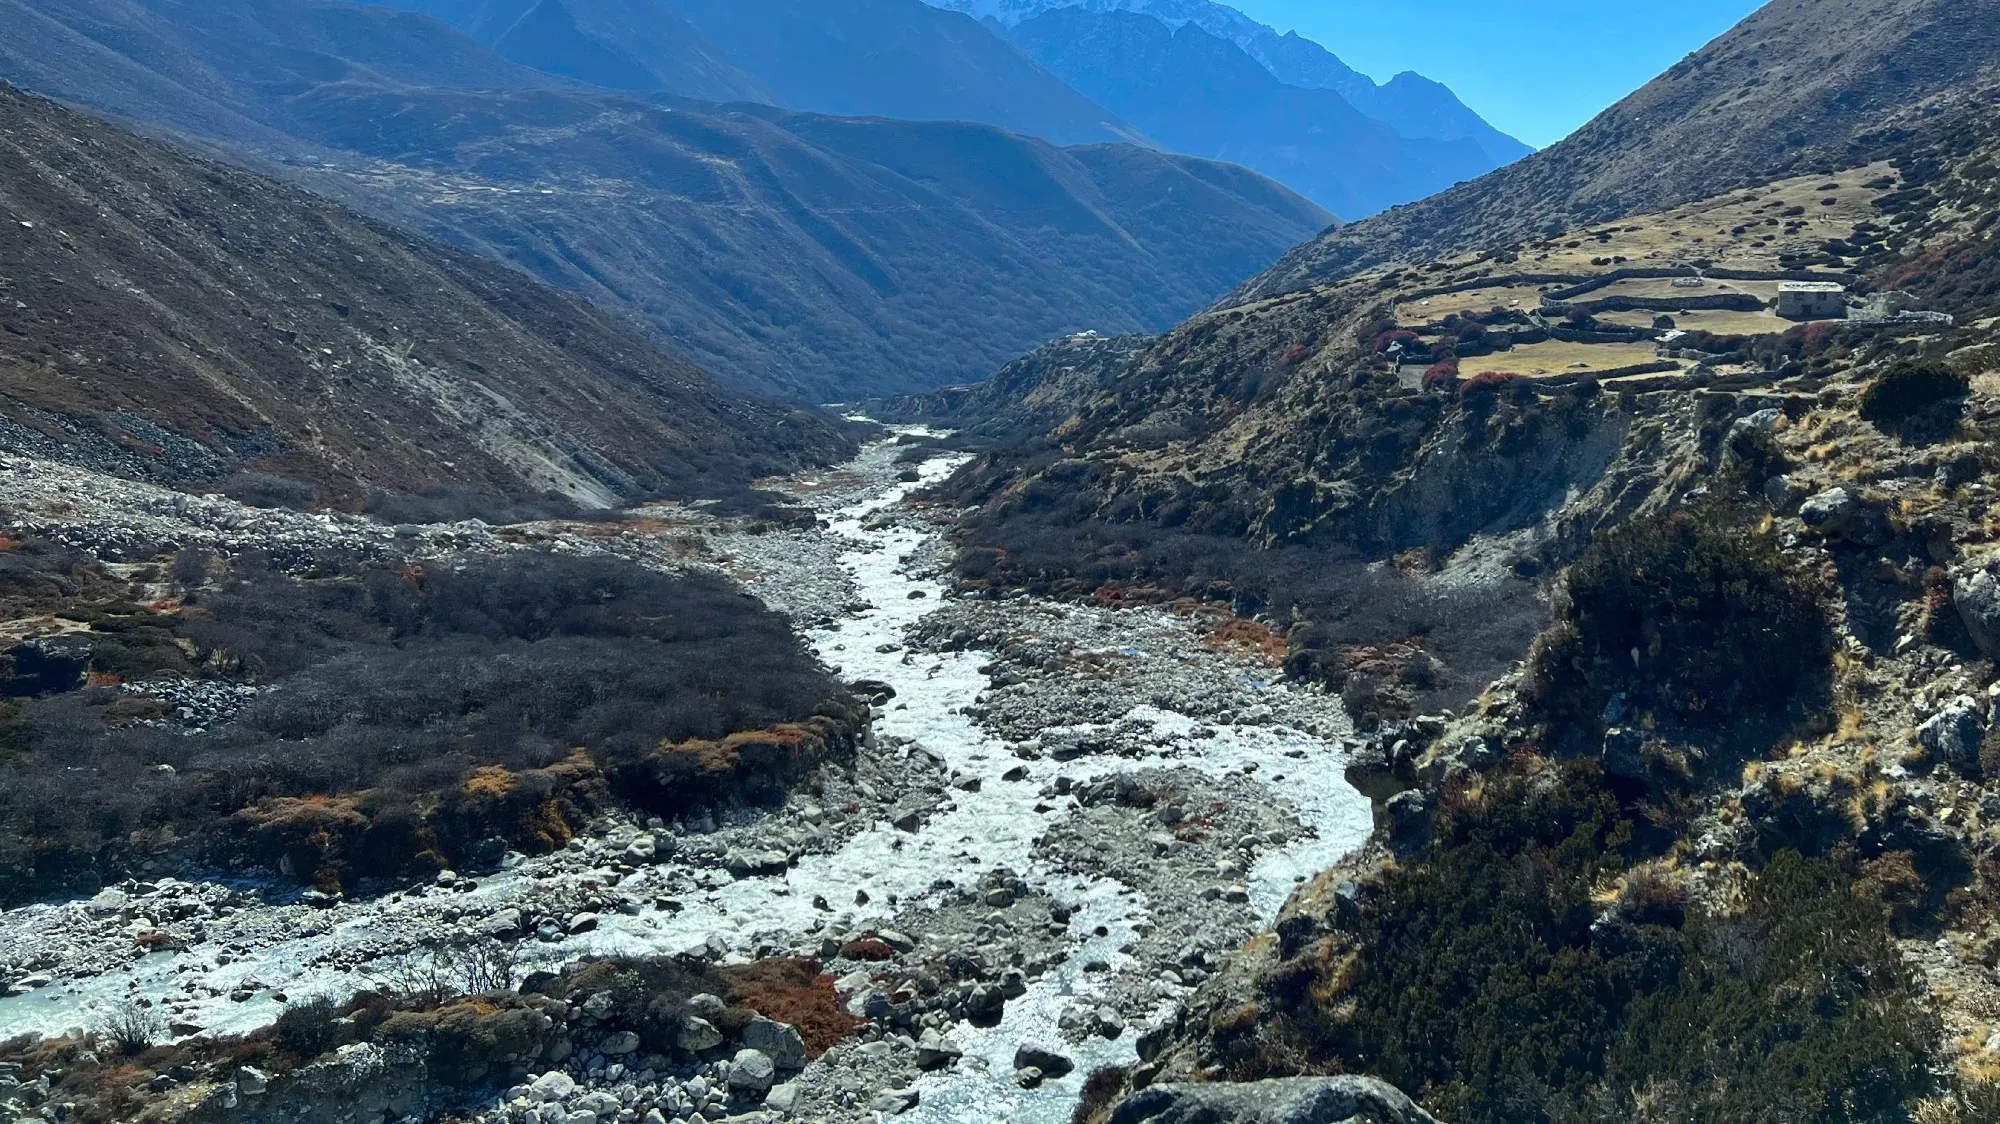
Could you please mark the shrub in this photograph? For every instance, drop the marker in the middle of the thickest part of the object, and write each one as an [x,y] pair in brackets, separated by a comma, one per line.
[1442,376]
[130,1028]
[1908,388]
[308,1028]
[1388,339]
[392,686]
[1486,384]
[1693,614]
[1487,983]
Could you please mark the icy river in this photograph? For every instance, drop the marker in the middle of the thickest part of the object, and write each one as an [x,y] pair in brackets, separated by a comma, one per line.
[1284,740]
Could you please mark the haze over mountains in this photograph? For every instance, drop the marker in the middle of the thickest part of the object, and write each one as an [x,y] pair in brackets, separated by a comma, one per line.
[1413,105]
[1304,117]
[787,252]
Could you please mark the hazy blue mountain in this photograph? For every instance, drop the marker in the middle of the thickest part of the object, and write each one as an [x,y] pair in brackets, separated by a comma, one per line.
[1417,106]
[787,252]
[898,58]
[1201,94]
[642,46]
[1414,105]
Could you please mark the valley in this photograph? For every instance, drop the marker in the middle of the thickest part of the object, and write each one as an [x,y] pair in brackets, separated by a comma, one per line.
[645,561]
[1106,863]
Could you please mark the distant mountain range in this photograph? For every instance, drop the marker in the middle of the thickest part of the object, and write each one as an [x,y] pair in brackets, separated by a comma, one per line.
[1413,105]
[1195,92]
[1218,84]
[789,253]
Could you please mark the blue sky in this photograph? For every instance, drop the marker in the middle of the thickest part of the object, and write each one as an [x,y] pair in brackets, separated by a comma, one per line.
[1535,68]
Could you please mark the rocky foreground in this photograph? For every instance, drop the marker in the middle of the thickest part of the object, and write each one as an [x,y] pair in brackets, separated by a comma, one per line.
[1063,818]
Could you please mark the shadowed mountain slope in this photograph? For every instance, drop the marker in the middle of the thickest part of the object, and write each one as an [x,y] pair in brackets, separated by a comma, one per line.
[786,252]
[1198,93]
[172,319]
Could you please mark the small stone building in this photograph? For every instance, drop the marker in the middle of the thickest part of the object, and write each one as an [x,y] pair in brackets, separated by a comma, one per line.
[1812,300]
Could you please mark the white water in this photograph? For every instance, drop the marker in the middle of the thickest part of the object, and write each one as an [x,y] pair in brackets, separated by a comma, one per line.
[994,826]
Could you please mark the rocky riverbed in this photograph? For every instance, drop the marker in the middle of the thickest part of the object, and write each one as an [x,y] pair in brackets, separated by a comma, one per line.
[1065,816]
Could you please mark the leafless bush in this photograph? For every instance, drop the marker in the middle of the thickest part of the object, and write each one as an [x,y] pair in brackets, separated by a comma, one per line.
[131,1027]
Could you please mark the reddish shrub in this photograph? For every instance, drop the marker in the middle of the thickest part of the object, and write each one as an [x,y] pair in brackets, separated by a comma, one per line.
[1443,375]
[1485,382]
[796,992]
[1394,336]
[1294,353]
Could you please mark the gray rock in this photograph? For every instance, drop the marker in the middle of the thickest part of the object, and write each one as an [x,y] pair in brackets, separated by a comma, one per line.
[642,849]
[621,1043]
[108,901]
[698,1034]
[935,1051]
[582,923]
[1953,734]
[1830,511]
[1624,752]
[251,1082]
[1290,1100]
[894,1101]
[1048,1061]
[506,923]
[783,1043]
[783,1097]
[752,1071]
[1977,596]
[552,1086]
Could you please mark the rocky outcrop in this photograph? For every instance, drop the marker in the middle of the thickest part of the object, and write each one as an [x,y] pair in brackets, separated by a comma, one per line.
[1290,1100]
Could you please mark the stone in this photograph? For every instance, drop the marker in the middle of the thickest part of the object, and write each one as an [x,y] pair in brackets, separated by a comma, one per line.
[1977,598]
[1028,1077]
[1623,754]
[706,1006]
[108,901]
[698,1034]
[1048,1061]
[783,1097]
[582,923]
[251,1081]
[894,1101]
[752,1071]
[935,1051]
[1287,1100]
[505,923]
[783,1043]
[1954,733]
[621,1043]
[642,849]
[901,942]
[554,1085]
[1830,511]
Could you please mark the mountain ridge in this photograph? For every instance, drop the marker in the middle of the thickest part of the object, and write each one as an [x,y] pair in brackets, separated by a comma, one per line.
[179,320]
[1416,107]
[1202,94]
[787,252]
[1798,85]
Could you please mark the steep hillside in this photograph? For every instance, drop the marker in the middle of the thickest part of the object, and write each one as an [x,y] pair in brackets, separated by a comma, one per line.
[1200,94]
[172,319]
[1718,842]
[898,58]
[640,46]
[1800,86]
[1414,106]
[789,253]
